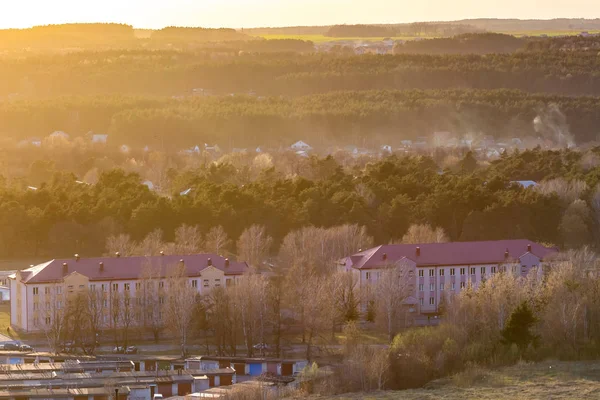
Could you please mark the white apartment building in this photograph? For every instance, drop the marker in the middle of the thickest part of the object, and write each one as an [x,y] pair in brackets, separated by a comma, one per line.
[435,270]
[39,292]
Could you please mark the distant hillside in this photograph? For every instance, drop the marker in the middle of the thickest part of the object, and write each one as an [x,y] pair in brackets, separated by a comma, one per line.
[482,24]
[67,35]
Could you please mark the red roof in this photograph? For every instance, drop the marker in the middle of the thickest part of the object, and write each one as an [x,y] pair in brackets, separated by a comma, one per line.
[453,253]
[127,268]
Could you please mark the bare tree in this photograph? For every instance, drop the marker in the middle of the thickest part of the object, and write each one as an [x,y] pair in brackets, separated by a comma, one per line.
[424,234]
[180,305]
[149,299]
[253,245]
[251,296]
[54,316]
[395,284]
[567,191]
[122,244]
[188,239]
[217,241]
[152,244]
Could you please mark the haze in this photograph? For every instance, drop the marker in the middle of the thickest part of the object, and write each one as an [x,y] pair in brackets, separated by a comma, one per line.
[259,13]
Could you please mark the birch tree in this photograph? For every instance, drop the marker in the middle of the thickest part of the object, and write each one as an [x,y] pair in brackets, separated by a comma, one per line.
[151,309]
[253,245]
[217,241]
[394,285]
[53,317]
[180,305]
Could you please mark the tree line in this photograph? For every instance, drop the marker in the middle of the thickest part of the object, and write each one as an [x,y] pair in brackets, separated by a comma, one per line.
[367,118]
[469,201]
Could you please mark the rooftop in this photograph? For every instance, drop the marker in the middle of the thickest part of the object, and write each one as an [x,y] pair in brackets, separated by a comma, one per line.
[128,268]
[452,253]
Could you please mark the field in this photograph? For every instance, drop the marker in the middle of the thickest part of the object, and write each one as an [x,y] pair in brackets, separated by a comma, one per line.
[549,380]
[323,38]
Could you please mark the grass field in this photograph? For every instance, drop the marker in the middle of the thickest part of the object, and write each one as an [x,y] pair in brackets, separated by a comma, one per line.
[549,380]
[5,321]
[322,38]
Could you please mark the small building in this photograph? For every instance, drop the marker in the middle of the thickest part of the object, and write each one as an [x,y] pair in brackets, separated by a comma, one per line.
[301,146]
[59,134]
[99,138]
[525,184]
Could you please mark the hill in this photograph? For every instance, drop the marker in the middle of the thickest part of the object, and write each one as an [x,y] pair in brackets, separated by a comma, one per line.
[549,380]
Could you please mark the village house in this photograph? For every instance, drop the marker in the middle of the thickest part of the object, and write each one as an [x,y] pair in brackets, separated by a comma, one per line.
[38,290]
[435,270]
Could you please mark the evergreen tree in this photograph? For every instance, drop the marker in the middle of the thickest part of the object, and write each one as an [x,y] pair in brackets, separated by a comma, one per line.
[518,328]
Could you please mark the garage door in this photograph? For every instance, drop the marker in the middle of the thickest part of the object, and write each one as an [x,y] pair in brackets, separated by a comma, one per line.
[224,364]
[255,369]
[272,367]
[287,369]
[226,380]
[211,381]
[240,368]
[184,388]
[166,389]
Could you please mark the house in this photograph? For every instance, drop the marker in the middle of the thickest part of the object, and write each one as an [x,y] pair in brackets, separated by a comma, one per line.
[148,184]
[124,149]
[525,184]
[436,270]
[59,134]
[99,138]
[38,290]
[386,148]
[301,146]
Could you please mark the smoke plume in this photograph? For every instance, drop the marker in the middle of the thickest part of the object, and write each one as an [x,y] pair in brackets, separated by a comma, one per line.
[551,123]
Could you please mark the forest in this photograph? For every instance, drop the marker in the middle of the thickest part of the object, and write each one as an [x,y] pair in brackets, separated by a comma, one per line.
[65,216]
[337,119]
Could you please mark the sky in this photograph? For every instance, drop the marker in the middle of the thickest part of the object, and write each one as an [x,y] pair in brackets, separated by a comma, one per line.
[272,13]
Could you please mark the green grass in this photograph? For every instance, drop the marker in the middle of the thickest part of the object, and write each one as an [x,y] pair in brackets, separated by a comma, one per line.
[548,380]
[5,321]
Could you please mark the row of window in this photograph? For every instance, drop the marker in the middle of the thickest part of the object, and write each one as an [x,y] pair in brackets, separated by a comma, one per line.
[431,301]
[442,286]
[463,271]
[105,318]
[127,286]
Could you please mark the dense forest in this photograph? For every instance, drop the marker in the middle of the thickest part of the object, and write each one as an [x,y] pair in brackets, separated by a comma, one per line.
[366,118]
[481,43]
[63,217]
[178,72]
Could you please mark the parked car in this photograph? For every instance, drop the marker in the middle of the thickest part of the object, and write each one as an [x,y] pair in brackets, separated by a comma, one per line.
[131,350]
[119,350]
[157,396]
[261,346]
[69,347]
[11,346]
[26,348]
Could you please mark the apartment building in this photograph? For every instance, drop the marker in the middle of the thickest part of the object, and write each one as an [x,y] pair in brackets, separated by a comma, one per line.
[39,293]
[435,270]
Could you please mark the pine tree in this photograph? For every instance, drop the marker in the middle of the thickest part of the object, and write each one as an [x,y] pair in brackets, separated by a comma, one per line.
[518,328]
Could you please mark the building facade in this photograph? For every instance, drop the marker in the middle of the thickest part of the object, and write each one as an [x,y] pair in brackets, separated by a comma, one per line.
[138,284]
[436,270]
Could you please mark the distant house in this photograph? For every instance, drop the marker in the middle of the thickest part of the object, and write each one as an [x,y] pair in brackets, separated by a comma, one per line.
[212,149]
[124,149]
[386,148]
[302,154]
[406,143]
[258,150]
[59,134]
[238,150]
[301,146]
[99,138]
[525,184]
[148,184]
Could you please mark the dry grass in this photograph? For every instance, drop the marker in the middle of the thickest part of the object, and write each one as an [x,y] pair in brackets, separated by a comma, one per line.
[550,380]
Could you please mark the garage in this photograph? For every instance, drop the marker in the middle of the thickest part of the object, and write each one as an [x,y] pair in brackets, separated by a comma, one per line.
[272,367]
[226,380]
[166,389]
[287,369]
[240,368]
[224,364]
[211,381]
[255,369]
[184,389]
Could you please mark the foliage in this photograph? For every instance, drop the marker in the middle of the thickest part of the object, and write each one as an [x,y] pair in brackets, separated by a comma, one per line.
[518,328]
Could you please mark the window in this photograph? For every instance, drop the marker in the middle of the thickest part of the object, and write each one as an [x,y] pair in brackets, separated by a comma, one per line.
[160,315]
[70,288]
[195,283]
[441,272]
[35,291]
[228,282]
[441,286]
[105,319]
[431,287]
[378,275]
[59,290]
[161,285]
[36,321]
[103,287]
[431,272]
[47,305]
[421,301]
[421,273]
[115,287]
[46,290]
[217,282]
[452,271]
[161,300]
[493,270]
[138,286]
[93,287]
[138,301]
[59,304]
[411,273]
[47,320]
[105,303]
[462,271]
[482,271]
[431,301]
[368,276]
[453,286]
[462,285]
[126,286]
[524,268]
[421,287]
[514,268]
[36,306]
[472,271]
[206,283]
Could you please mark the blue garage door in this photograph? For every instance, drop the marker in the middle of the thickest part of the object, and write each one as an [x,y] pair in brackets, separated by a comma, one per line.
[255,369]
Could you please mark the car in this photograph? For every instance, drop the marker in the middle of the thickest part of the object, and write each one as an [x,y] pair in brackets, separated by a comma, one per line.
[119,350]
[131,350]
[11,346]
[157,396]
[261,346]
[26,348]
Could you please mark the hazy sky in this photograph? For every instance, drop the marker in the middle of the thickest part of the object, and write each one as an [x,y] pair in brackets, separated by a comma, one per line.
[253,13]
